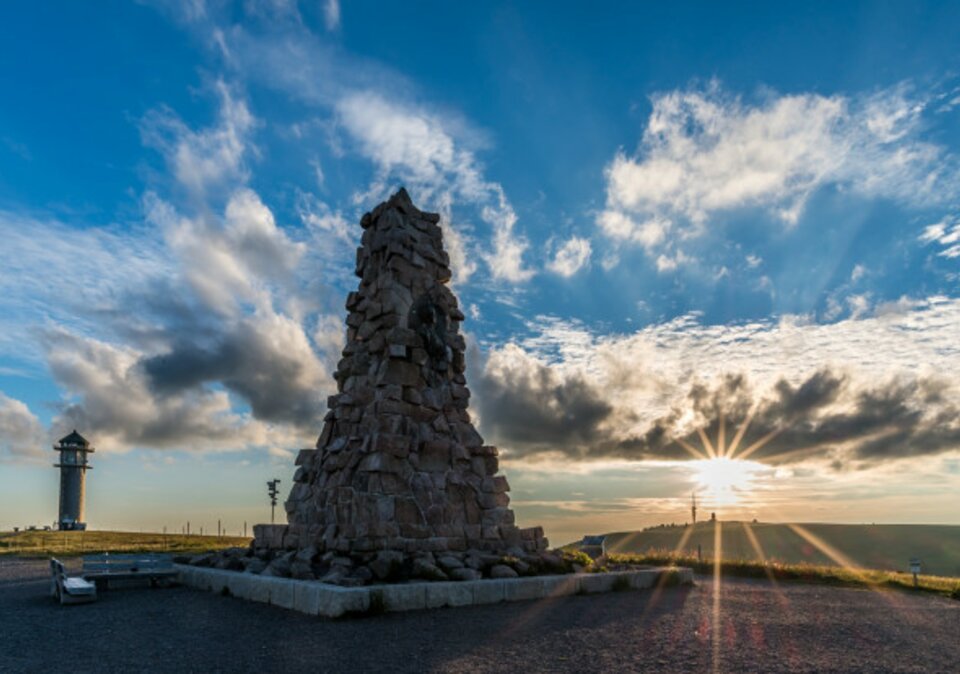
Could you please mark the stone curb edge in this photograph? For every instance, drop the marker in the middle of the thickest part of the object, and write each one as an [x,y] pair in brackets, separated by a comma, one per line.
[330,601]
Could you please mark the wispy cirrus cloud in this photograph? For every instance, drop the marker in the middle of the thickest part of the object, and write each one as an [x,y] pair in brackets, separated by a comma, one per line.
[203,159]
[411,145]
[945,233]
[331,14]
[705,152]
[33,295]
[371,111]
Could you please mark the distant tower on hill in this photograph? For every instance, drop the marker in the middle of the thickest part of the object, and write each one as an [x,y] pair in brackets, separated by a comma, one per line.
[693,506]
[73,473]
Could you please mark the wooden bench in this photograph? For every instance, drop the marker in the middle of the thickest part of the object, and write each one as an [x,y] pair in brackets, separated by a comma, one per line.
[101,569]
[69,590]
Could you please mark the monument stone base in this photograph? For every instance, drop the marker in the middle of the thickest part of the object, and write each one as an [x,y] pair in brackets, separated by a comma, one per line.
[330,601]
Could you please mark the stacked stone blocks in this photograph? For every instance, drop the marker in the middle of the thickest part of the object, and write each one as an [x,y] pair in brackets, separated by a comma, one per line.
[399,465]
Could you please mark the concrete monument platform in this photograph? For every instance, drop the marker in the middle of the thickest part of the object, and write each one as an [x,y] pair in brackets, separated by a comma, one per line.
[332,601]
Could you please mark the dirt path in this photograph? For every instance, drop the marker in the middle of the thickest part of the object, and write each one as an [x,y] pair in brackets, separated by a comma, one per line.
[793,628]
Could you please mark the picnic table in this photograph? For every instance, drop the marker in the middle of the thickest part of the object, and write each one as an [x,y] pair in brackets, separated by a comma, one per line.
[101,569]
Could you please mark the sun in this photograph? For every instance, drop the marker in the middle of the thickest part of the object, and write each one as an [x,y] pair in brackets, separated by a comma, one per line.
[723,479]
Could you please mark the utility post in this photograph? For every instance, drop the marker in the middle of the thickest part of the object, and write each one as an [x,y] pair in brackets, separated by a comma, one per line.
[272,491]
[693,507]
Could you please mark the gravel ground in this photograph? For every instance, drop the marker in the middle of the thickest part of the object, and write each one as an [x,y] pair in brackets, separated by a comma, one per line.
[762,628]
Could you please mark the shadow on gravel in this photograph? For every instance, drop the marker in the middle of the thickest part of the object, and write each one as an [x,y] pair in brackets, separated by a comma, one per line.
[178,629]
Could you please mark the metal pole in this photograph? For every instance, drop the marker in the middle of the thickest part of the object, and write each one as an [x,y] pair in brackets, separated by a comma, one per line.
[218,529]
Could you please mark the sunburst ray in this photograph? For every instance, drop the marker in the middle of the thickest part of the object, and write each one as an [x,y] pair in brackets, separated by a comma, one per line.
[696,453]
[717,562]
[706,443]
[757,548]
[742,430]
[662,582]
[759,444]
[722,436]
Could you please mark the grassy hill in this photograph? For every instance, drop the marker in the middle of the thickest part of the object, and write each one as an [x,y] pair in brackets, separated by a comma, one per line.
[66,543]
[882,546]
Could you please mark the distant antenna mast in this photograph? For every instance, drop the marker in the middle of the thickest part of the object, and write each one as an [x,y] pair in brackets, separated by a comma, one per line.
[693,506]
[272,491]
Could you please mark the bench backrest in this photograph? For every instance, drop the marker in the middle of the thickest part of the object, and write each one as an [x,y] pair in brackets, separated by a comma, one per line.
[108,563]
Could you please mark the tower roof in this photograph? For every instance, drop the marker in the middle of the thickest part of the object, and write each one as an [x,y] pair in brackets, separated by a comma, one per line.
[74,439]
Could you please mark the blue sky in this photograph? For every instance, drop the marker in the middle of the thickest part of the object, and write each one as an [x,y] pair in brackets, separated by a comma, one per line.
[658,217]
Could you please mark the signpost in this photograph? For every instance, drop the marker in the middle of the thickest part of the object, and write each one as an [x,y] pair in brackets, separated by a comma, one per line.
[915,570]
[272,491]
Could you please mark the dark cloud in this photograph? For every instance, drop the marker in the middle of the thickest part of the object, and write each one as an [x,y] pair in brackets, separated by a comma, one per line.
[529,408]
[276,374]
[111,399]
[540,411]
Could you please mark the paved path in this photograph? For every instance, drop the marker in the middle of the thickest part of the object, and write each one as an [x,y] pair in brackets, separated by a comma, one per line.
[793,628]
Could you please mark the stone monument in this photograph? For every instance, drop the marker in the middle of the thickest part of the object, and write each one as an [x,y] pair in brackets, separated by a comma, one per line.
[399,467]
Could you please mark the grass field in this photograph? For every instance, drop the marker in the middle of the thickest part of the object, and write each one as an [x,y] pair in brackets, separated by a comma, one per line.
[69,543]
[775,571]
[886,547]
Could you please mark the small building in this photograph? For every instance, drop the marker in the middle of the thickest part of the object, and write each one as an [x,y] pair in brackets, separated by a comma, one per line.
[73,474]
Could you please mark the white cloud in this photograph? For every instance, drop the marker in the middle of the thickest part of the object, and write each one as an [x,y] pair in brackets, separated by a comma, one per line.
[859,305]
[506,258]
[329,338]
[571,257]
[318,172]
[704,152]
[22,436]
[331,14]
[231,261]
[667,263]
[859,271]
[318,216]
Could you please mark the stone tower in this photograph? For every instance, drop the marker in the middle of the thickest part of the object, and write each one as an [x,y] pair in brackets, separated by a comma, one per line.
[399,466]
[73,475]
